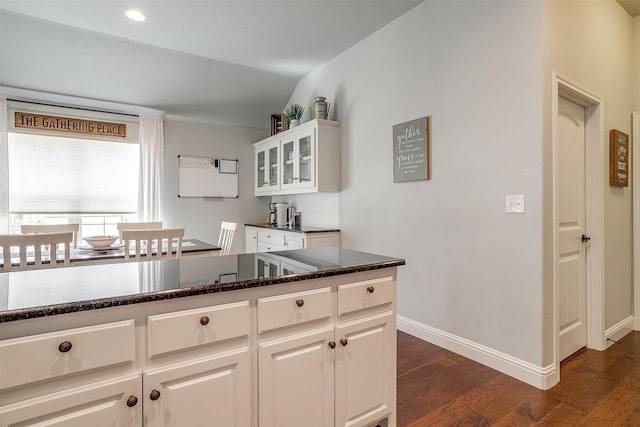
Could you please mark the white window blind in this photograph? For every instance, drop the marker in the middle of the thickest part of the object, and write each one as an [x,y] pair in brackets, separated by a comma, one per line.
[68,175]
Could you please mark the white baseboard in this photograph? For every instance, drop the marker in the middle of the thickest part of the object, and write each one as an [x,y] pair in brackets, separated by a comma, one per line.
[618,331]
[541,377]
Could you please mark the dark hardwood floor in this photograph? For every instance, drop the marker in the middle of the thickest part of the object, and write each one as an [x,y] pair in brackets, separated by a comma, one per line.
[440,388]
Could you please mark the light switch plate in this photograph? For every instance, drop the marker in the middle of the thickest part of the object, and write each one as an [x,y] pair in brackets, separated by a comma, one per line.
[514,203]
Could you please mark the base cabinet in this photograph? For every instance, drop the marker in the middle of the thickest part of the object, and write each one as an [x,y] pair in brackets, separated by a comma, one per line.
[296,385]
[365,371]
[270,240]
[318,357]
[209,391]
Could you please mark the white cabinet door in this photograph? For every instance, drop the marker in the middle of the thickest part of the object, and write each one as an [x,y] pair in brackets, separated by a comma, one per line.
[212,391]
[267,167]
[250,240]
[299,160]
[365,371]
[294,241]
[296,384]
[116,402]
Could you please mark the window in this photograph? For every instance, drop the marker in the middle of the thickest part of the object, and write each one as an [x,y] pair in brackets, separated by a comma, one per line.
[55,177]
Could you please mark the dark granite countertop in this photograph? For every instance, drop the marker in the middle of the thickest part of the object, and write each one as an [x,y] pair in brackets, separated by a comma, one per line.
[300,229]
[48,292]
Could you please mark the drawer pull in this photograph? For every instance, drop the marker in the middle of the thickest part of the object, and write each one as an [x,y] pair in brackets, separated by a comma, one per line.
[132,401]
[154,395]
[344,342]
[204,320]
[299,302]
[370,289]
[332,344]
[64,346]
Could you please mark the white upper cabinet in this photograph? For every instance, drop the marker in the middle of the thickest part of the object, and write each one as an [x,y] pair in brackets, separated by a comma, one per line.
[267,167]
[306,160]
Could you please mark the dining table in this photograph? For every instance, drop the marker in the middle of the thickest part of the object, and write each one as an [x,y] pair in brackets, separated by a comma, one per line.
[87,255]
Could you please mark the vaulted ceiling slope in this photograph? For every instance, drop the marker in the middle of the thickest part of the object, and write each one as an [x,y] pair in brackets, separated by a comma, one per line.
[228,62]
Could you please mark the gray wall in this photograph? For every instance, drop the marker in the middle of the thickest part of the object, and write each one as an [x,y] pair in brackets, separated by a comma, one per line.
[591,43]
[201,217]
[472,270]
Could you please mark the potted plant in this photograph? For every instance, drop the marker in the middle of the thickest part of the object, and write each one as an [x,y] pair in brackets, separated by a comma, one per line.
[294,114]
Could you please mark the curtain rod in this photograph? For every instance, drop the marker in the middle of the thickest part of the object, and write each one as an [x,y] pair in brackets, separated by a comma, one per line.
[73,108]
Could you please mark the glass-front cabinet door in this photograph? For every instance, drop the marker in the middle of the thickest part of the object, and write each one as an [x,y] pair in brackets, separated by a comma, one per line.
[267,167]
[298,160]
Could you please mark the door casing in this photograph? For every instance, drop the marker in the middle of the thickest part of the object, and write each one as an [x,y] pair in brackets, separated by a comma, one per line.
[594,188]
[635,151]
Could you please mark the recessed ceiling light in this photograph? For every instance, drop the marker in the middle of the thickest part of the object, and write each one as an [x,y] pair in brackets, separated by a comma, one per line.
[135,15]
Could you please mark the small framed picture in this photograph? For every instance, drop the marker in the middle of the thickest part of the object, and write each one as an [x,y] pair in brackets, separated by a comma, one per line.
[618,158]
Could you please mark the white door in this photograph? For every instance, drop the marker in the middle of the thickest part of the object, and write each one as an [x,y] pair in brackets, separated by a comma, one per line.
[214,391]
[365,371]
[295,385]
[571,210]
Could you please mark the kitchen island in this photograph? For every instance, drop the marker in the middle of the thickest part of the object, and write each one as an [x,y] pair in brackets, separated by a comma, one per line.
[291,338]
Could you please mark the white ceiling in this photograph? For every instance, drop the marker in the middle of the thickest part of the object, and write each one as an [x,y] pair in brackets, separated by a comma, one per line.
[277,40]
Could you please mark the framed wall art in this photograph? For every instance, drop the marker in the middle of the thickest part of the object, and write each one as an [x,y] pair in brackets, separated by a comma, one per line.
[618,158]
[411,151]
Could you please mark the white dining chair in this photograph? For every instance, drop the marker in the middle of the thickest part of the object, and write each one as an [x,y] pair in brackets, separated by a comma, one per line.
[149,225]
[227,230]
[150,244]
[36,241]
[52,228]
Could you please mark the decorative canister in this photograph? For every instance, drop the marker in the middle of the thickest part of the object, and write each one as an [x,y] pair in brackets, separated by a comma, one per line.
[321,107]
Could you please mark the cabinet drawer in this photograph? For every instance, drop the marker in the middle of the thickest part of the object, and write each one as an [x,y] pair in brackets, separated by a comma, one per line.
[192,328]
[269,247]
[362,295]
[292,309]
[40,357]
[274,237]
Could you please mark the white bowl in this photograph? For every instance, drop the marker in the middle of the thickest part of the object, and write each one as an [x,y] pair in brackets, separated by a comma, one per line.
[100,242]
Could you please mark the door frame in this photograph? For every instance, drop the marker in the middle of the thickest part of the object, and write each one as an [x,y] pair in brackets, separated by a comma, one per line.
[594,193]
[635,150]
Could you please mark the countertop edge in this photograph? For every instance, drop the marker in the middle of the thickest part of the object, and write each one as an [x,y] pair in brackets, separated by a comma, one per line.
[304,230]
[199,288]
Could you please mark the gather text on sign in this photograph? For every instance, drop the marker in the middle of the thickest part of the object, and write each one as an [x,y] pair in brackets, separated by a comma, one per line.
[67,124]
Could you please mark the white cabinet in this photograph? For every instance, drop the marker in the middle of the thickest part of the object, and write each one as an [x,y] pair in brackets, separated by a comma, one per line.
[321,356]
[203,392]
[303,159]
[267,167]
[296,381]
[363,348]
[334,364]
[271,239]
[298,160]
[250,240]
[109,403]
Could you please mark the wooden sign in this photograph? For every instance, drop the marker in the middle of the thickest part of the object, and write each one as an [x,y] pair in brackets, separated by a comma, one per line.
[69,125]
[411,151]
[618,158]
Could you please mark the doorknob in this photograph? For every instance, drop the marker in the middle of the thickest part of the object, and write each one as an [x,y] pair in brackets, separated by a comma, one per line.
[585,239]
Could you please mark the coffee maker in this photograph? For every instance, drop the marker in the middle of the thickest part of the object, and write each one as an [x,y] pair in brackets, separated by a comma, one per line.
[273,218]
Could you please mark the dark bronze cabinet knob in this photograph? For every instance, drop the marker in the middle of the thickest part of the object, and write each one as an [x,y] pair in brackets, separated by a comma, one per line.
[132,401]
[299,303]
[154,395]
[332,344]
[64,346]
[344,342]
[370,289]
[204,320]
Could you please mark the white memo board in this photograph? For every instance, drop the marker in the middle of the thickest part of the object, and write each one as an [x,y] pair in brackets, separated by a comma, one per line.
[207,177]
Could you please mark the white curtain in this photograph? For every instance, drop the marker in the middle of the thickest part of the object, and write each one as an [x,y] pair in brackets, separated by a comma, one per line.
[151,168]
[4,167]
